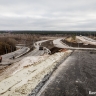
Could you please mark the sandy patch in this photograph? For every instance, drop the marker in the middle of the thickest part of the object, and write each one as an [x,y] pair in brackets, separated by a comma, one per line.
[22,82]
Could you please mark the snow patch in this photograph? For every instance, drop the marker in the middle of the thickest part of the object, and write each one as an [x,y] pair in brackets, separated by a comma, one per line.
[28,61]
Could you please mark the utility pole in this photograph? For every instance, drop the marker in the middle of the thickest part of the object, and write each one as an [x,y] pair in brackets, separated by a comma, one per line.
[11,48]
[94,35]
[6,49]
[78,44]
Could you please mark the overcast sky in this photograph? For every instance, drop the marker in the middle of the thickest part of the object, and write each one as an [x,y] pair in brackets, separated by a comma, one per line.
[48,15]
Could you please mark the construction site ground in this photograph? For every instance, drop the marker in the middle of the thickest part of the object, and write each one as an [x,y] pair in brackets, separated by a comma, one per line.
[76,76]
[22,79]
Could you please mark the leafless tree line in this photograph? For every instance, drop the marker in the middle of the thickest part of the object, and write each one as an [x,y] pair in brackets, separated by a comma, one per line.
[8,41]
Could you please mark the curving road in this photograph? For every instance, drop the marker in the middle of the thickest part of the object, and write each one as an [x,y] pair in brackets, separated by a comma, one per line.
[58,43]
[7,58]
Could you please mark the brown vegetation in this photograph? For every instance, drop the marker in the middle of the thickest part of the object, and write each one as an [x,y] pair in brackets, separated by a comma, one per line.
[71,39]
[8,41]
[6,45]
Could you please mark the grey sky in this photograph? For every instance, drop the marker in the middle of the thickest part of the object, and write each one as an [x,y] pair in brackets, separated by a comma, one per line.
[48,15]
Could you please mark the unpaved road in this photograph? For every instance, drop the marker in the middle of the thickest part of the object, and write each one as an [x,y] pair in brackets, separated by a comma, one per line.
[76,76]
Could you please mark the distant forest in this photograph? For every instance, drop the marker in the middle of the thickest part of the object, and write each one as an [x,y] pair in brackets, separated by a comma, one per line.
[53,32]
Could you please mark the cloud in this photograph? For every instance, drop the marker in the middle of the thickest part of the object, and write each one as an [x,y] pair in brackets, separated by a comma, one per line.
[47,15]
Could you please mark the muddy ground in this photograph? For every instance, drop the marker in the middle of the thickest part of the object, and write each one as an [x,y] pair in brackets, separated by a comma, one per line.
[49,44]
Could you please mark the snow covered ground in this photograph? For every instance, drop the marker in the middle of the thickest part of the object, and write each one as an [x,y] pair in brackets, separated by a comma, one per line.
[28,61]
[25,62]
[7,58]
[30,72]
[86,40]
[59,44]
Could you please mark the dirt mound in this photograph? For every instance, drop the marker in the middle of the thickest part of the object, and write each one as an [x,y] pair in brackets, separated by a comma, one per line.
[55,49]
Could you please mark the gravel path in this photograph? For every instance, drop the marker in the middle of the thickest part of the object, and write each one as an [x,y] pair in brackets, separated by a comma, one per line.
[74,77]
